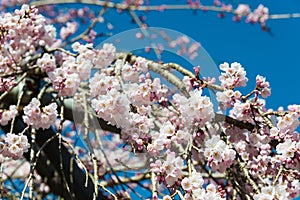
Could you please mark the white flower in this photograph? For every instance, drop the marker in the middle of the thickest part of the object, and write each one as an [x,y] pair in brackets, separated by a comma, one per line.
[196,179]
[167,129]
[47,62]
[195,110]
[287,148]
[37,118]
[234,76]
[186,184]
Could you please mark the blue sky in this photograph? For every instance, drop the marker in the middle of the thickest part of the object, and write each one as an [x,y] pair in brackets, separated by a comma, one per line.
[275,56]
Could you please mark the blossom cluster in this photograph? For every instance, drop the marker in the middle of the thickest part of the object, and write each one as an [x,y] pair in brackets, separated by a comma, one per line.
[14,146]
[233,75]
[112,107]
[132,73]
[146,92]
[288,123]
[263,86]
[210,192]
[7,115]
[259,15]
[180,134]
[194,182]
[241,11]
[101,83]
[104,56]
[69,30]
[123,95]
[64,83]
[227,98]
[167,135]
[242,111]
[121,108]
[6,83]
[47,62]
[37,117]
[219,155]
[280,190]
[16,46]
[195,110]
[66,79]
[288,149]
[170,170]
[195,188]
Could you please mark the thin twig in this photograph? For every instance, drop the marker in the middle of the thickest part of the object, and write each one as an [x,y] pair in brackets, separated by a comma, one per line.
[85,32]
[19,81]
[29,181]
[20,96]
[72,196]
[92,153]
[154,190]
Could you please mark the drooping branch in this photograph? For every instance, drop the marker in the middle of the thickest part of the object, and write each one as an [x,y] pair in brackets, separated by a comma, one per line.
[121,6]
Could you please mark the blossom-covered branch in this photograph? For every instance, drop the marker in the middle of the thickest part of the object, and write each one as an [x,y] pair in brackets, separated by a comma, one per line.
[135,123]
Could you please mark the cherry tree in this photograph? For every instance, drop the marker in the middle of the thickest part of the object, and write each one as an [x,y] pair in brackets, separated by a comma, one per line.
[87,114]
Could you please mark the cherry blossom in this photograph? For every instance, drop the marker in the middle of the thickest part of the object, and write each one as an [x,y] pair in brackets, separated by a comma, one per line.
[14,146]
[242,111]
[241,10]
[227,98]
[171,168]
[37,117]
[196,110]
[47,62]
[8,115]
[263,86]
[34,31]
[69,30]
[278,191]
[234,76]
[104,56]
[218,152]
[101,83]
[287,149]
[260,14]
[64,83]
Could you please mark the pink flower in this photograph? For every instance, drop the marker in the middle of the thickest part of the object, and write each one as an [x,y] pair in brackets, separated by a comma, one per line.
[38,118]
[260,14]
[263,86]
[7,115]
[69,30]
[104,56]
[47,62]
[15,145]
[242,9]
[197,109]
[287,149]
[234,76]
[64,83]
